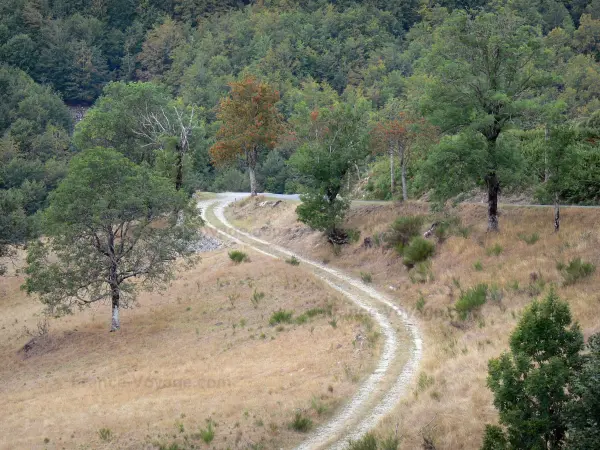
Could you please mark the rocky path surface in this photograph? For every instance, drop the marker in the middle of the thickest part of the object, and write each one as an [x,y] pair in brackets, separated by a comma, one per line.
[383,389]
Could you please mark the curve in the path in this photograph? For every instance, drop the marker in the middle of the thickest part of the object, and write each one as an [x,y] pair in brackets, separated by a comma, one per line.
[384,388]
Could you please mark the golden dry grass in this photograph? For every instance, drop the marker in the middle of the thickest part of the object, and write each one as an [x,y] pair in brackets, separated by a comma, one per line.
[200,350]
[450,402]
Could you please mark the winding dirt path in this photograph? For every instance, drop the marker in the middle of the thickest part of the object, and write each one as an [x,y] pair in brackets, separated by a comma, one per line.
[400,357]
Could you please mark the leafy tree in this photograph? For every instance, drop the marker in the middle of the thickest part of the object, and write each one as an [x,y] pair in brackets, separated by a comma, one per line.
[156,56]
[530,382]
[335,140]
[560,157]
[481,75]
[250,122]
[397,137]
[109,221]
[583,411]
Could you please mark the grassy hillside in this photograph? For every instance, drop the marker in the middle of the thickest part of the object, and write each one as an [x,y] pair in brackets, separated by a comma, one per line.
[450,403]
[201,352]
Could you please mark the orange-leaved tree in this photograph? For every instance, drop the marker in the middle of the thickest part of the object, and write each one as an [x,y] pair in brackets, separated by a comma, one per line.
[250,121]
[397,137]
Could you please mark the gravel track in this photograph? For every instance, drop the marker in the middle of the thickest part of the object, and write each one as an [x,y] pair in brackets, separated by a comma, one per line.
[379,394]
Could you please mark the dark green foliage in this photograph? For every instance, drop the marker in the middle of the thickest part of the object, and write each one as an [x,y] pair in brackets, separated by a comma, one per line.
[530,382]
[576,270]
[367,442]
[281,316]
[583,410]
[101,235]
[403,230]
[339,141]
[418,250]
[301,423]
[238,256]
[471,300]
[293,261]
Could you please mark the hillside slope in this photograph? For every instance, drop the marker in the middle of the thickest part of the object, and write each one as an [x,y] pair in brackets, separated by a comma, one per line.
[450,403]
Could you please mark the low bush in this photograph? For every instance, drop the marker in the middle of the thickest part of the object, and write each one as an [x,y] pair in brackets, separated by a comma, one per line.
[366,277]
[403,230]
[353,235]
[478,266]
[471,300]
[237,256]
[105,434]
[370,442]
[208,434]
[529,239]
[421,273]
[576,270]
[281,316]
[301,423]
[256,298]
[293,261]
[494,250]
[418,250]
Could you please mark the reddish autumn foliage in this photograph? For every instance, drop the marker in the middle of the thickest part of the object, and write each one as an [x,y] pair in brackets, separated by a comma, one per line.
[249,119]
[398,135]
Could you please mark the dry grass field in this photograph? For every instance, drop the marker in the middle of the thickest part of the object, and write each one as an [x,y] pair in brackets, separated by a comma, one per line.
[450,403]
[201,352]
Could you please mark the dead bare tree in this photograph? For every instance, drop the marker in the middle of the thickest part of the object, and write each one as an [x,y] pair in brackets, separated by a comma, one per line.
[156,127]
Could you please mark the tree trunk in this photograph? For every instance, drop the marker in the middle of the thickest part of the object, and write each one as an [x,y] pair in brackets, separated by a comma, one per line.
[115,323]
[493,190]
[404,186]
[392,180]
[179,174]
[546,139]
[556,214]
[252,181]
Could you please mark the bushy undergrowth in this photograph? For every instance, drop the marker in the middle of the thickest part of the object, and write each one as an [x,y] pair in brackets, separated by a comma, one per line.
[237,256]
[281,316]
[471,300]
[301,423]
[576,270]
[371,442]
[293,261]
[403,230]
[529,239]
[417,251]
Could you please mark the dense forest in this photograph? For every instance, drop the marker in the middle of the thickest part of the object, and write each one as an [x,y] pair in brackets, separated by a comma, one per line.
[501,96]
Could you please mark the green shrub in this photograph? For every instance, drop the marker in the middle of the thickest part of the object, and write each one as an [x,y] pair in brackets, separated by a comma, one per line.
[403,230]
[366,277]
[529,239]
[208,434]
[301,423]
[421,273]
[319,407]
[301,319]
[318,311]
[478,266]
[281,316]
[494,250]
[576,270]
[293,261]
[257,297]
[353,235]
[417,251]
[105,434]
[420,305]
[471,300]
[367,442]
[237,256]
